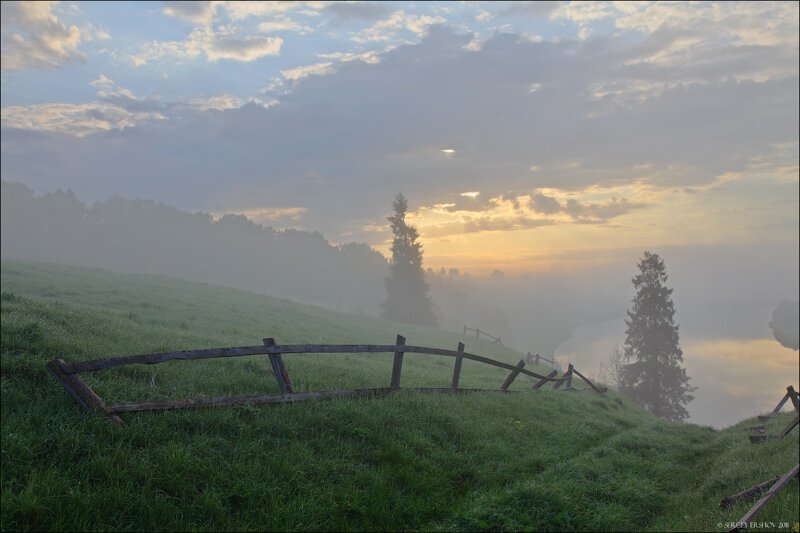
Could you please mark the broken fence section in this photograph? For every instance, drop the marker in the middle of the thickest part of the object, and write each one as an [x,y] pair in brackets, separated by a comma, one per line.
[66,374]
[759,438]
[775,486]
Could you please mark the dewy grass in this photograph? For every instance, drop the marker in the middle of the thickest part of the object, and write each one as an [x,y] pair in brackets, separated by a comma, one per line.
[538,460]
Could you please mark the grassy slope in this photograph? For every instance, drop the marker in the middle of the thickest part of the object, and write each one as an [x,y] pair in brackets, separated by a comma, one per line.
[545,460]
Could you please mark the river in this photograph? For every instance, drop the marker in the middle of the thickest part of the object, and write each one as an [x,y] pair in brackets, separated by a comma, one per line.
[738,367]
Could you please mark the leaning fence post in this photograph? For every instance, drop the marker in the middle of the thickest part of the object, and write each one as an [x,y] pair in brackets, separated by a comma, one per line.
[537,360]
[513,375]
[543,381]
[457,368]
[397,367]
[793,395]
[568,381]
[279,369]
[782,402]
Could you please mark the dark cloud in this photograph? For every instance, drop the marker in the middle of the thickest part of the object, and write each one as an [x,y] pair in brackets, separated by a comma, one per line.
[341,13]
[583,212]
[339,144]
[539,9]
[545,204]
[472,203]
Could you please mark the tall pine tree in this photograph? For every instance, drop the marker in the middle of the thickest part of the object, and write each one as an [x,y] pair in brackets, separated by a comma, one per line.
[406,289]
[654,379]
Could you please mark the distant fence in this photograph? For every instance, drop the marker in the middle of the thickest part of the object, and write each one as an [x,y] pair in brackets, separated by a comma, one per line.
[478,334]
[66,374]
[536,359]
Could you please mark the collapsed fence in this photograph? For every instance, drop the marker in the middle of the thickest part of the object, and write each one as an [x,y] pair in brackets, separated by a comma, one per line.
[66,374]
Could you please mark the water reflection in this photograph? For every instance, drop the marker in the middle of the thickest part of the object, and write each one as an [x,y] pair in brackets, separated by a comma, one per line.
[738,367]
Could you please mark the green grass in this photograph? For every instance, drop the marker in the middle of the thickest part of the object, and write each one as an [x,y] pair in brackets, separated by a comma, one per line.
[543,460]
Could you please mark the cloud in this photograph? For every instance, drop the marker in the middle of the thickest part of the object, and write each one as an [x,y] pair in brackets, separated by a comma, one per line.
[470,201]
[195,12]
[605,211]
[389,28]
[109,92]
[547,205]
[342,13]
[355,133]
[746,23]
[535,8]
[367,57]
[298,73]
[283,23]
[222,44]
[482,224]
[241,10]
[267,215]
[34,37]
[116,108]
[76,120]
[219,102]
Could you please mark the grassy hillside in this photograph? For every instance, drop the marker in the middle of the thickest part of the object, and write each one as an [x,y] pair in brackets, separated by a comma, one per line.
[544,460]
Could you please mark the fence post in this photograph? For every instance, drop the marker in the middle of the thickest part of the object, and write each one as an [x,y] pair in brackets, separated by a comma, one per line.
[781,403]
[543,381]
[568,375]
[512,376]
[457,368]
[569,378]
[465,331]
[397,367]
[793,395]
[537,359]
[279,369]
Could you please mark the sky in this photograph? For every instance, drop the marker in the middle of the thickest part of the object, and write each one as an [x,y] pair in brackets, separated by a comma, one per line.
[528,137]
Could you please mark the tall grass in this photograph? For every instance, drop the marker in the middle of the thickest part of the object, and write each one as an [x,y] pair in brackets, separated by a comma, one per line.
[543,460]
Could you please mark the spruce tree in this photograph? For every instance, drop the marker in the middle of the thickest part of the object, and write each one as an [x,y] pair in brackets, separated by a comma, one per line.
[654,379]
[406,289]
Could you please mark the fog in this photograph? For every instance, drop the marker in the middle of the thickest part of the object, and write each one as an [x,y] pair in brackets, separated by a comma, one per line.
[724,295]
[543,148]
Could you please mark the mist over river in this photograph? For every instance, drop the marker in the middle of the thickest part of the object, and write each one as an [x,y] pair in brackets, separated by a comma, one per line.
[730,354]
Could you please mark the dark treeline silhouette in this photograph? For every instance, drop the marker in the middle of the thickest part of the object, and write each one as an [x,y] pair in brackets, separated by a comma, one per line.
[144,236]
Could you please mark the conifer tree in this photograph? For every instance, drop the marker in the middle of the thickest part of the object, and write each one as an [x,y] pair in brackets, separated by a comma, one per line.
[406,289]
[654,379]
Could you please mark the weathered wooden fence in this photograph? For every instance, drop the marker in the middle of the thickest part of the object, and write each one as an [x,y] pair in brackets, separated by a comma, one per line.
[536,359]
[67,374]
[791,394]
[479,332]
[773,485]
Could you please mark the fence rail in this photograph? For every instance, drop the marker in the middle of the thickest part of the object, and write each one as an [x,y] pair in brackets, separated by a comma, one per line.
[536,358]
[479,332]
[66,374]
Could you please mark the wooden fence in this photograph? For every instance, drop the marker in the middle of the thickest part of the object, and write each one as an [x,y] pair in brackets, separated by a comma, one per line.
[478,334]
[66,374]
[773,485]
[536,359]
[791,394]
